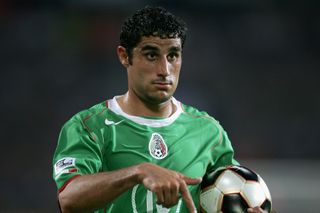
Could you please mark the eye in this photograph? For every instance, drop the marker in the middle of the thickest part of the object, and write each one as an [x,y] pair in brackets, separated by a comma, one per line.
[151,56]
[173,56]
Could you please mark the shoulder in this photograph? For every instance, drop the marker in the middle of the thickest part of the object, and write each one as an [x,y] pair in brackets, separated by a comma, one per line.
[195,113]
[88,114]
[88,120]
[202,121]
[201,118]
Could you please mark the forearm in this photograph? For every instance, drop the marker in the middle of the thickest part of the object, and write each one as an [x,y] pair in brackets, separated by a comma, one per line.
[94,191]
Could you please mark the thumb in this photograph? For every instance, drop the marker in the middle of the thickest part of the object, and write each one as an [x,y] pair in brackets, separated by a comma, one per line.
[191,181]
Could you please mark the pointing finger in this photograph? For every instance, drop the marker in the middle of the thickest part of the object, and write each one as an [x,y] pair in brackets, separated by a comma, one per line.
[187,197]
[191,181]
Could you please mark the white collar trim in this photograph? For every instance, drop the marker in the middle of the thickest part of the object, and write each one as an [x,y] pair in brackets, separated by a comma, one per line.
[115,107]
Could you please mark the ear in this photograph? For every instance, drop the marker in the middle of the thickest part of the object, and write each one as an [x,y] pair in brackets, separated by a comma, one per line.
[123,56]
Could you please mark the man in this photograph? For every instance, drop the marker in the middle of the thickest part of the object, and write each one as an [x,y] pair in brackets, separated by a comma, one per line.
[143,151]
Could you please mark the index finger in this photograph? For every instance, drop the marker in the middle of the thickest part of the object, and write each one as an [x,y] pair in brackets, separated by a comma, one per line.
[187,197]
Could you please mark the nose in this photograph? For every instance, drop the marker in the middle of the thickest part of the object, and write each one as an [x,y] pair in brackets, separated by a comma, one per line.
[164,67]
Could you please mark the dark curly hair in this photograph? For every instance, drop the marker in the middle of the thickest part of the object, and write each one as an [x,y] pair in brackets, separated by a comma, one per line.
[151,21]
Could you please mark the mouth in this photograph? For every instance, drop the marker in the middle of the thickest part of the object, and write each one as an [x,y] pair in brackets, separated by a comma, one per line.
[162,81]
[162,84]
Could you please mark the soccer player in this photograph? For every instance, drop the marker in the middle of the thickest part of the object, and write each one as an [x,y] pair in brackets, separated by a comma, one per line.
[143,151]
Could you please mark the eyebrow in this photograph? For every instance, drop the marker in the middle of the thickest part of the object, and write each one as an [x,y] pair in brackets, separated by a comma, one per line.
[171,49]
[149,47]
[175,49]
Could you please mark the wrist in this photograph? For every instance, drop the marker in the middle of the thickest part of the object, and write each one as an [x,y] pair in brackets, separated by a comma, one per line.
[139,171]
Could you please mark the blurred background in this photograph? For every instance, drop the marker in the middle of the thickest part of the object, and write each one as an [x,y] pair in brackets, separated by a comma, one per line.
[253,65]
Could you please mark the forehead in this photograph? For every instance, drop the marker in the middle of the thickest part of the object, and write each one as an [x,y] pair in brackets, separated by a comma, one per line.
[159,43]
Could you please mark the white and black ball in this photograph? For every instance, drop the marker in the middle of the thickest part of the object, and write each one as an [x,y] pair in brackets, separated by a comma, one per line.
[233,189]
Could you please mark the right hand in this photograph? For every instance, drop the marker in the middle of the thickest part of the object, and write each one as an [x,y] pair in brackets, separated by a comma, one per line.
[168,185]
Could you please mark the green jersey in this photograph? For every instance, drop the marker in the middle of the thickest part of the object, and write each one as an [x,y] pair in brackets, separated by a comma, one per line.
[105,138]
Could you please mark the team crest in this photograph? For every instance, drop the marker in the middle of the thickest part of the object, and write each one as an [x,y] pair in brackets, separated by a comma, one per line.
[157,147]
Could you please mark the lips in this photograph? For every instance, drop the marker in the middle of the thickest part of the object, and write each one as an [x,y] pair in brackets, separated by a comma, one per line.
[162,84]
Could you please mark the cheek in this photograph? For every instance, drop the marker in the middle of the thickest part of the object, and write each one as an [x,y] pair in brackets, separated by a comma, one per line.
[137,71]
[144,68]
[140,77]
[176,71]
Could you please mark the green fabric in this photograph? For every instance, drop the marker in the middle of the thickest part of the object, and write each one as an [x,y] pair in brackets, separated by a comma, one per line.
[196,144]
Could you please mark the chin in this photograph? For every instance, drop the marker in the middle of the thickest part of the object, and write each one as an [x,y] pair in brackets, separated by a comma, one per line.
[159,99]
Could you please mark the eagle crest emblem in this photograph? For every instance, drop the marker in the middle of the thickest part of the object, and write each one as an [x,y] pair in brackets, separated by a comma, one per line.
[157,147]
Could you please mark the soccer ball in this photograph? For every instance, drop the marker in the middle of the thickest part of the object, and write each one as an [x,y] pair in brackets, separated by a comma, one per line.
[233,189]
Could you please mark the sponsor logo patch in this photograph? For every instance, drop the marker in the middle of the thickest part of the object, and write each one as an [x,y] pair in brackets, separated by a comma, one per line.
[157,147]
[63,164]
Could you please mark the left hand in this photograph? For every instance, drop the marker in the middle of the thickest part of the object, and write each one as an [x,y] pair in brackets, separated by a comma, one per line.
[255,210]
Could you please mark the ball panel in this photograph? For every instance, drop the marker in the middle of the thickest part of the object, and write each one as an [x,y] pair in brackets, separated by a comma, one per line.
[234,203]
[228,182]
[265,188]
[244,172]
[253,193]
[266,206]
[211,177]
[210,200]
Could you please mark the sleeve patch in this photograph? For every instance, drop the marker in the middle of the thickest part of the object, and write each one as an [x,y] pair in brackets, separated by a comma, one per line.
[63,163]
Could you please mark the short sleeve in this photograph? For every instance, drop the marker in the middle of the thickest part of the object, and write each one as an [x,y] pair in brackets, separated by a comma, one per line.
[222,153]
[76,153]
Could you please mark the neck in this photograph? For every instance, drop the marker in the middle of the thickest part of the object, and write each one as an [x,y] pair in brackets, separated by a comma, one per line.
[136,107]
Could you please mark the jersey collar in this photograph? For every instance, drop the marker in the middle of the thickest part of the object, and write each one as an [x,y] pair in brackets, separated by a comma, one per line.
[115,107]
